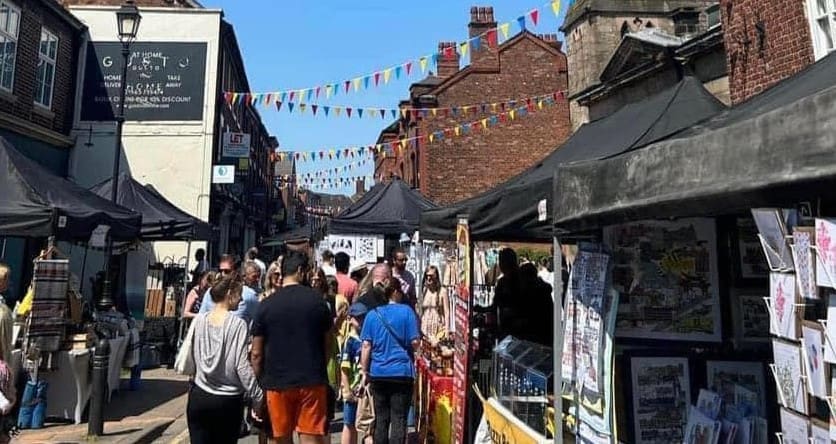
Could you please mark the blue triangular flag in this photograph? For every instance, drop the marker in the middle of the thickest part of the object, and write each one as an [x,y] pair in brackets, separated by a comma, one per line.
[325,109]
[394,114]
[290,107]
[360,112]
[521,22]
[310,94]
[434,60]
[398,72]
[475,43]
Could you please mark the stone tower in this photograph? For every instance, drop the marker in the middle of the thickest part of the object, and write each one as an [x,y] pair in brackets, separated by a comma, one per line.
[594,28]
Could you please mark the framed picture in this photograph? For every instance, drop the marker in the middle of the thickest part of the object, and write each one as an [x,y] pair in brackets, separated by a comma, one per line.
[788,371]
[802,255]
[773,236]
[783,303]
[818,372]
[752,263]
[751,316]
[830,331]
[661,397]
[666,273]
[826,252]
[794,428]
[819,432]
[741,385]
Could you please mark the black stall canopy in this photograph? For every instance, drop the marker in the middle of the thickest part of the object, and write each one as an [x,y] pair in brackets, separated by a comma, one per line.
[161,219]
[387,209]
[771,150]
[518,209]
[36,203]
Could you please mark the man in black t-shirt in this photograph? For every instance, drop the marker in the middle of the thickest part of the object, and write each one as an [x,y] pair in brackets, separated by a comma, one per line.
[289,354]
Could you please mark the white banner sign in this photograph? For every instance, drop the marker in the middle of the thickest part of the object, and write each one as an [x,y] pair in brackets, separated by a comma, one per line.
[223,174]
[236,145]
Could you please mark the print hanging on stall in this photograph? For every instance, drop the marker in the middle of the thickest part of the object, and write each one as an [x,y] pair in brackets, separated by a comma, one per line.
[701,428]
[830,330]
[794,428]
[783,305]
[819,432]
[661,397]
[741,386]
[805,270]
[817,370]
[666,273]
[753,263]
[773,236]
[787,370]
[826,252]
[751,316]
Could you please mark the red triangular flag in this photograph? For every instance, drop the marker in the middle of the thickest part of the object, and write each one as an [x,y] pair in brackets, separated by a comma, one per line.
[292,93]
[318,88]
[528,102]
[448,52]
[377,78]
[492,37]
[314,108]
[446,112]
[414,114]
[535,16]
[347,85]
[348,112]
[408,68]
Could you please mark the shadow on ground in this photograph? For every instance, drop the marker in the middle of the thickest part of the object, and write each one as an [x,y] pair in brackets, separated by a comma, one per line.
[152,394]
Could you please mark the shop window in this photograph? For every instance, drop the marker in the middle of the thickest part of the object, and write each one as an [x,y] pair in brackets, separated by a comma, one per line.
[822,16]
[45,75]
[9,23]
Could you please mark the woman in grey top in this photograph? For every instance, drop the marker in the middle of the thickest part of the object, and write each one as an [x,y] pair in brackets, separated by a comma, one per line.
[223,376]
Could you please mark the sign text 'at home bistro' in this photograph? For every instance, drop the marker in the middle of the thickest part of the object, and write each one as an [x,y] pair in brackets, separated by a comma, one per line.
[165,81]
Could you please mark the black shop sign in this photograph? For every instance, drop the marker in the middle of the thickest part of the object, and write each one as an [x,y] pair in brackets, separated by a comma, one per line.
[166,81]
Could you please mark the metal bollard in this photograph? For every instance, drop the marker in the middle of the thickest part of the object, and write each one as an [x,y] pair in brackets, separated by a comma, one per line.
[101,356]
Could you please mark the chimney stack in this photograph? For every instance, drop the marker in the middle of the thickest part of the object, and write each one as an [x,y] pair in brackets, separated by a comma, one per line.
[552,40]
[448,60]
[482,21]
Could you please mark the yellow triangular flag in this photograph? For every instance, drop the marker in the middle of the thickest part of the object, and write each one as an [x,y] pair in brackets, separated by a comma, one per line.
[357,83]
[337,111]
[386,74]
[435,112]
[423,62]
[302,107]
[327,91]
[432,137]
[463,47]
[234,97]
[556,7]
[403,112]
[504,28]
[512,113]
[493,107]
[301,94]
[540,104]
[457,130]
[403,144]
[484,123]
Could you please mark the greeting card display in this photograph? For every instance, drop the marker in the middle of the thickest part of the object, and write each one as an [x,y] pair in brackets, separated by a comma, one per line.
[701,428]
[805,270]
[709,403]
[661,397]
[826,252]
[812,339]
[741,386]
[830,332]
[787,370]
[751,317]
[773,235]
[794,428]
[783,304]
[819,432]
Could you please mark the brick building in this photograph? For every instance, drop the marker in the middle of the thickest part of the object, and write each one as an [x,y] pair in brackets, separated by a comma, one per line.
[526,65]
[770,40]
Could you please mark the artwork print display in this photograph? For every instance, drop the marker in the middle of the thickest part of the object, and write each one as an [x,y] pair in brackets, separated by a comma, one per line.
[701,428]
[661,398]
[783,302]
[819,432]
[826,252]
[794,428]
[751,316]
[805,270]
[812,339]
[741,386]
[753,263]
[787,370]
[773,237]
[666,274]
[830,335]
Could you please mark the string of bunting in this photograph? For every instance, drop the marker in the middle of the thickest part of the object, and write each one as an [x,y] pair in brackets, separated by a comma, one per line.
[494,37]
[373,112]
[528,106]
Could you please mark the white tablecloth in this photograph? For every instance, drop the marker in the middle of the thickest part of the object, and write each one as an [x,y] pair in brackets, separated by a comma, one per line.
[69,384]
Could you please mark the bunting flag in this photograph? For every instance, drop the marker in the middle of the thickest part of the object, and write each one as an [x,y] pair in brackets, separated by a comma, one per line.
[510,110]
[414,113]
[331,89]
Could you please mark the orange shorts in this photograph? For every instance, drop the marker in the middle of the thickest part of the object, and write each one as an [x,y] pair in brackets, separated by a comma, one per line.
[304,410]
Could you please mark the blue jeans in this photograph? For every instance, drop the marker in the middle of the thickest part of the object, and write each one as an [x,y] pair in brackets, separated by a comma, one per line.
[350,413]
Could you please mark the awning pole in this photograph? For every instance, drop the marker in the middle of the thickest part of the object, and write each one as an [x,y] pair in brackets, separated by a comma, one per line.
[558,341]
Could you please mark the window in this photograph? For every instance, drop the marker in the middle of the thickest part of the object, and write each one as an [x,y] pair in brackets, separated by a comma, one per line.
[822,15]
[9,23]
[713,15]
[45,77]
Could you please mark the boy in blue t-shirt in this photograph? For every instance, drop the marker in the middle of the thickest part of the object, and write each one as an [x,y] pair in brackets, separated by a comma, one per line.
[350,370]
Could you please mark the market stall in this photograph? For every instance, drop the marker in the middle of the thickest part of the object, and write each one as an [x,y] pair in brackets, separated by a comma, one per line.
[54,335]
[519,209]
[702,270]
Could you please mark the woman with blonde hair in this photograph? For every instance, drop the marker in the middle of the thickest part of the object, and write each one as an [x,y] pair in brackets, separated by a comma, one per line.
[272,280]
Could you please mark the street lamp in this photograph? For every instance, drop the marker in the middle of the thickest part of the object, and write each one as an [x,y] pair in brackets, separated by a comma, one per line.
[127,21]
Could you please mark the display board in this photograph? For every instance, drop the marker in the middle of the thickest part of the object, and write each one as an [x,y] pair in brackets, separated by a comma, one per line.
[461,296]
[360,248]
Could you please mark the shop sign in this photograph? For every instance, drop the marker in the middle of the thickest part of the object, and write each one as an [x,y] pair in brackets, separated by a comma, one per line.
[236,145]
[461,364]
[504,428]
[223,174]
[165,81]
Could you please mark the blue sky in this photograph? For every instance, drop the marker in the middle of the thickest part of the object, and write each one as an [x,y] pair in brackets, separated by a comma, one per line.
[302,44]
